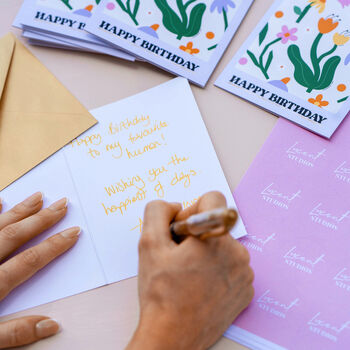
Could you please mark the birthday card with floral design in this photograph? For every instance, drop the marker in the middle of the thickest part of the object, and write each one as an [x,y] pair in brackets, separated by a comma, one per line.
[65,19]
[185,37]
[296,63]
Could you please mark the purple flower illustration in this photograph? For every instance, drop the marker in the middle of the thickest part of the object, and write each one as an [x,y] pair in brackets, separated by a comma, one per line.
[222,6]
[281,84]
[151,30]
[287,34]
[344,2]
[85,11]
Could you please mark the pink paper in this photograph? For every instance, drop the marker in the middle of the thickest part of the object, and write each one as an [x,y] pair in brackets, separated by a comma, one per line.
[295,203]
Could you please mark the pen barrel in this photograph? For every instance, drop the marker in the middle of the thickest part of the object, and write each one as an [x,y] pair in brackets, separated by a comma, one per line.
[214,223]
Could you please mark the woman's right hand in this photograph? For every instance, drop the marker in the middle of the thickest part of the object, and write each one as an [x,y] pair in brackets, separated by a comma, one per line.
[190,292]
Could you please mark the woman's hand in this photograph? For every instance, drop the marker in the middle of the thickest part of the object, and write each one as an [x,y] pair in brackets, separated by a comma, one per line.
[190,292]
[18,226]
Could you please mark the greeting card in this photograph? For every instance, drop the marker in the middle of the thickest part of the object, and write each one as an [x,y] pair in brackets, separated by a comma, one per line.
[296,63]
[186,38]
[144,148]
[65,19]
[295,203]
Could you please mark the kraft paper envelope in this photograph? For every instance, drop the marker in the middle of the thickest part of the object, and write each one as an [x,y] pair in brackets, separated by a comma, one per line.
[38,115]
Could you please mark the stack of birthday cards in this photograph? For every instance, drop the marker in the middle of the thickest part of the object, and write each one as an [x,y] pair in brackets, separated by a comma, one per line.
[61,23]
[185,37]
[296,63]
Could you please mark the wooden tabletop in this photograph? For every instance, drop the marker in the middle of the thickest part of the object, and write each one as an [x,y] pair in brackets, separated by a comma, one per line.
[105,318]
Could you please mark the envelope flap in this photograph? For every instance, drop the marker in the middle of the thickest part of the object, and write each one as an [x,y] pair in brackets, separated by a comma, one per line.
[7,45]
[38,116]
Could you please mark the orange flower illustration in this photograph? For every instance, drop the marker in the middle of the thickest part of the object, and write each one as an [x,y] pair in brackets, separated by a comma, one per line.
[320,4]
[326,25]
[189,48]
[318,101]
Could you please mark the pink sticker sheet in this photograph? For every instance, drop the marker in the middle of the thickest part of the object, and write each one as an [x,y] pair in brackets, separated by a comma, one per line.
[295,203]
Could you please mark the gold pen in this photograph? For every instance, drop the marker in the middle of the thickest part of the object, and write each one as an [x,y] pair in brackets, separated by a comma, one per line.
[204,225]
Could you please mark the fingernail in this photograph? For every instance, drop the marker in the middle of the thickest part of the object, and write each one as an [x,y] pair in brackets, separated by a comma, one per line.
[46,328]
[34,199]
[71,232]
[59,205]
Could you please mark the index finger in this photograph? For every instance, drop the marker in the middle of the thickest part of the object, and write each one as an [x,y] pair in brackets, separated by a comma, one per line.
[24,265]
[28,207]
[209,201]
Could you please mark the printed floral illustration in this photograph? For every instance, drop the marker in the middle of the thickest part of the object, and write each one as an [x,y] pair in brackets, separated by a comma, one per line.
[344,2]
[86,11]
[188,23]
[284,37]
[317,4]
[66,2]
[196,27]
[189,48]
[222,6]
[126,7]
[319,76]
[308,58]
[318,101]
[151,30]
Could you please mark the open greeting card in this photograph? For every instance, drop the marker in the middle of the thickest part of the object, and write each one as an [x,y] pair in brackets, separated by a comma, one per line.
[298,237]
[185,37]
[149,146]
[62,23]
[296,63]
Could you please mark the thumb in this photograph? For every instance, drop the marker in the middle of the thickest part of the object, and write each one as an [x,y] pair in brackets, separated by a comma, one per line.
[26,330]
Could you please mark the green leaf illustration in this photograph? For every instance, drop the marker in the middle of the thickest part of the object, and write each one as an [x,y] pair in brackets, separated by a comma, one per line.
[136,7]
[343,99]
[269,60]
[302,72]
[328,72]
[253,58]
[66,2]
[170,19]
[98,2]
[297,10]
[187,25]
[195,20]
[127,9]
[263,33]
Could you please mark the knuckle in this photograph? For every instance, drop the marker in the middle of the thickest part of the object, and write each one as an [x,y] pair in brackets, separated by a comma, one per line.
[145,243]
[54,246]
[4,284]
[18,210]
[154,205]
[31,257]
[217,195]
[9,232]
[17,333]
[250,276]
[243,256]
[251,293]
[44,215]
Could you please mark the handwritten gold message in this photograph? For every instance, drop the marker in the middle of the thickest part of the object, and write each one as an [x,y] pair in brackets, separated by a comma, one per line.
[131,140]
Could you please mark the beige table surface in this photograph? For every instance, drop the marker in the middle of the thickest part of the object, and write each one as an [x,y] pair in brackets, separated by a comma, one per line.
[106,317]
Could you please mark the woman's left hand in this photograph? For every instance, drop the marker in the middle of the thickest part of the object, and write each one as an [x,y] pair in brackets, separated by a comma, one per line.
[17,226]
